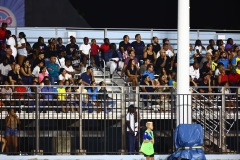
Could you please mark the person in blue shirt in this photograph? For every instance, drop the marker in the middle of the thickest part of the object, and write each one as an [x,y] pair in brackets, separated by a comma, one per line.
[47,97]
[93,90]
[113,58]
[53,70]
[87,77]
[149,72]
[224,60]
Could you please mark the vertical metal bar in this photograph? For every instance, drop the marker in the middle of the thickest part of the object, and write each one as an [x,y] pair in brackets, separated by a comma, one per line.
[172,122]
[37,121]
[105,123]
[105,33]
[104,70]
[123,110]
[222,123]
[237,119]
[80,120]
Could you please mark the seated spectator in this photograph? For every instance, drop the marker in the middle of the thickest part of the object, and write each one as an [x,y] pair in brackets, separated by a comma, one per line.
[149,72]
[105,100]
[238,67]
[7,93]
[60,60]
[224,60]
[51,49]
[47,95]
[233,78]
[113,58]
[36,69]
[39,59]
[132,73]
[26,72]
[87,77]
[163,61]
[236,59]
[85,51]
[206,69]
[61,96]
[143,67]
[65,76]
[93,90]
[205,84]
[222,78]
[156,46]
[14,75]
[39,46]
[76,62]
[31,96]
[20,94]
[86,104]
[147,86]
[131,54]
[194,71]
[53,70]
[5,68]
[71,101]
[42,73]
[10,59]
[94,53]
[69,68]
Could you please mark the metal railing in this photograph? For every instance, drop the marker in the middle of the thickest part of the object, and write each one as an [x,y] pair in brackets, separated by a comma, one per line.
[50,124]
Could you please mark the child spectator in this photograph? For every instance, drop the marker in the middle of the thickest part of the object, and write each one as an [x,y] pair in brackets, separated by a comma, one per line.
[94,53]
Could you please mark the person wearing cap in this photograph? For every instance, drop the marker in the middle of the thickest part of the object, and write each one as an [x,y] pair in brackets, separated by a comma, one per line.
[87,77]
[85,50]
[132,129]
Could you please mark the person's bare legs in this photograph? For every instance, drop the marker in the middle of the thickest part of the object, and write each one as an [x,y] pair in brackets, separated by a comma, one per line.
[4,142]
[20,59]
[8,138]
[15,143]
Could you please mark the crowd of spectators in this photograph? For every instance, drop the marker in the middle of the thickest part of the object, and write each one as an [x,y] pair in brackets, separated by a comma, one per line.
[152,65]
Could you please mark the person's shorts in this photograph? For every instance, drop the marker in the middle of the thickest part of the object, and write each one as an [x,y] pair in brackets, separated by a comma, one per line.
[11,132]
[148,155]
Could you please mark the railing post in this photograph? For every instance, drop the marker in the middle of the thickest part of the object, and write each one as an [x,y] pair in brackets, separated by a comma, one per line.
[37,120]
[80,123]
[105,33]
[104,70]
[222,123]
[123,113]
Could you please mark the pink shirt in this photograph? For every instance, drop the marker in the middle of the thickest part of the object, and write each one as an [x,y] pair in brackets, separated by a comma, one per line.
[41,76]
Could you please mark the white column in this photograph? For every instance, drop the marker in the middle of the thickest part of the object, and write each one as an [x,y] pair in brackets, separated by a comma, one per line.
[184,114]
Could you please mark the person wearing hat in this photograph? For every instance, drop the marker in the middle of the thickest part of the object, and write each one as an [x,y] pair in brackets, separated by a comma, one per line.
[87,77]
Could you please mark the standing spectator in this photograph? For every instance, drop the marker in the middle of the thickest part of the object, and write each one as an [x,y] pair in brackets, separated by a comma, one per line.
[61,47]
[155,45]
[138,46]
[39,46]
[22,51]
[12,122]
[132,131]
[72,46]
[124,45]
[12,43]
[3,37]
[53,70]
[85,51]
[94,53]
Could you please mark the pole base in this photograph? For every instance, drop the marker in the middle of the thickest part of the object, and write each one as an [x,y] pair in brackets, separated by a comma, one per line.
[81,152]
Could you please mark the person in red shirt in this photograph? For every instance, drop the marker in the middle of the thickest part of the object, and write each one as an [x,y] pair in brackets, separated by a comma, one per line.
[233,79]
[94,53]
[104,48]
[3,36]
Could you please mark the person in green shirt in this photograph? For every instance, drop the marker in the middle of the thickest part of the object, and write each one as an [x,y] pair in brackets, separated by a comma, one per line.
[147,147]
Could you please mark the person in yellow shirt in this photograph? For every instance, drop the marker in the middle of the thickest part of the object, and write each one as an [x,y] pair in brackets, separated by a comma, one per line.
[62,96]
[238,67]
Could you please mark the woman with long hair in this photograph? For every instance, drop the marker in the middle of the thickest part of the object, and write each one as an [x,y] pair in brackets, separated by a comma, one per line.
[26,72]
[132,73]
[21,48]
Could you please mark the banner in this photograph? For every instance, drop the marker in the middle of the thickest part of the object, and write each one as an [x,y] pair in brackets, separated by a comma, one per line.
[12,12]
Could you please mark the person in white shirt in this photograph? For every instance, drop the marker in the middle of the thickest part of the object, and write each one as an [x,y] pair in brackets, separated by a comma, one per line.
[60,59]
[85,50]
[36,69]
[21,48]
[68,67]
[11,42]
[194,71]
[65,76]
[4,69]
